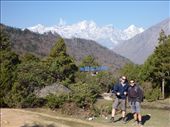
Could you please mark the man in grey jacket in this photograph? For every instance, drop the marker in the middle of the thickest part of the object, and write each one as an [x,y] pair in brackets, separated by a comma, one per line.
[135,97]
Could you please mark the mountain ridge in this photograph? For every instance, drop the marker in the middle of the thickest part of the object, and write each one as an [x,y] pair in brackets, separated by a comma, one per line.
[138,48]
[90,30]
[40,44]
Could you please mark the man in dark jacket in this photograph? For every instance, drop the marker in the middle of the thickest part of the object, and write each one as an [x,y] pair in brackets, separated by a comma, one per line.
[120,90]
[135,97]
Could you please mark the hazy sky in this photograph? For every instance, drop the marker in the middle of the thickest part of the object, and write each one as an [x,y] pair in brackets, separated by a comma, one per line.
[121,14]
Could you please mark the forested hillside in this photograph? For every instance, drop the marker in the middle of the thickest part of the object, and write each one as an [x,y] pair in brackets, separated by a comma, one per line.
[24,41]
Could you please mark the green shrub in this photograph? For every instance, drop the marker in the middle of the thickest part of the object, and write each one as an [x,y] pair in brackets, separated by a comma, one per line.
[55,101]
[29,76]
[151,92]
[105,80]
[104,109]
[94,111]
[83,94]
[20,101]
[153,95]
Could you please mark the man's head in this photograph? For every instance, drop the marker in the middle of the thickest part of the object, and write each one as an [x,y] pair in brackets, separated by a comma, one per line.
[132,82]
[123,79]
[120,79]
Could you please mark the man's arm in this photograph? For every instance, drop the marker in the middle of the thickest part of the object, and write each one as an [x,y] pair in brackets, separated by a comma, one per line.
[126,90]
[129,97]
[140,92]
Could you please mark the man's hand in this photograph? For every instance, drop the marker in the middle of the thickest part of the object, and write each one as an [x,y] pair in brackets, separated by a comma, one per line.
[125,93]
[118,93]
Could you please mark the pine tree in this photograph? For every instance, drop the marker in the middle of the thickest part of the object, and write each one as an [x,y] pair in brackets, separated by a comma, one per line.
[162,37]
[89,61]
[4,41]
[8,62]
[60,64]
[58,49]
[157,66]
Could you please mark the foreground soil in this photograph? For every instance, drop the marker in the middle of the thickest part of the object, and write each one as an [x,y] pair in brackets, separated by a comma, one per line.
[154,114]
[48,118]
[25,118]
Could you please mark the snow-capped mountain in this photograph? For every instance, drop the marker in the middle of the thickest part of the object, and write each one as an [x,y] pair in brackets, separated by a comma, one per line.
[106,35]
[138,48]
[132,30]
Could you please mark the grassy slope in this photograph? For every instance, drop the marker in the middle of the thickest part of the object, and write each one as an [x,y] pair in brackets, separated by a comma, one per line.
[154,114]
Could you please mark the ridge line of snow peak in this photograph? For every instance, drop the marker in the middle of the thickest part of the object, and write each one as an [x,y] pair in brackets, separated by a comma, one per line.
[104,35]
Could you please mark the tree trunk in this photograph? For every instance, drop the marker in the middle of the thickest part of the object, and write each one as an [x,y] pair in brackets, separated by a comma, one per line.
[163,88]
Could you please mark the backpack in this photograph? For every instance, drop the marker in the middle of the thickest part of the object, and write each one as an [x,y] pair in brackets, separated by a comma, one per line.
[133,92]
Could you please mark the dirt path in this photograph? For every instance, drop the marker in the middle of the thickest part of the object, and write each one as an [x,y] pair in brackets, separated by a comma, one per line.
[19,117]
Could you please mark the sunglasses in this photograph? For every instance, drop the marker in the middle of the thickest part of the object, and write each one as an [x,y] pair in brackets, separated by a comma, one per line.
[131,82]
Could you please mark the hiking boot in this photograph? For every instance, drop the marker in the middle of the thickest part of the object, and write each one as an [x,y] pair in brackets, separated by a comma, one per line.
[140,124]
[124,120]
[112,120]
[135,122]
